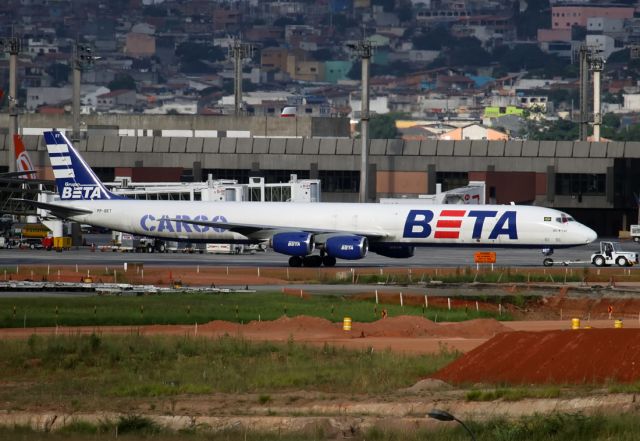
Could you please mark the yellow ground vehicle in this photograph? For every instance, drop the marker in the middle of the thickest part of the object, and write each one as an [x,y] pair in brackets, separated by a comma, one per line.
[34,231]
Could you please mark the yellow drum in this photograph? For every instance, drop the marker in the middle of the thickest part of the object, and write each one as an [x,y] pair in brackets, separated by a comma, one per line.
[617,324]
[346,324]
[575,323]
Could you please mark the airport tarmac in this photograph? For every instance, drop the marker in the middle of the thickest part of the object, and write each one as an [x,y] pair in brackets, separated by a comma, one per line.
[441,257]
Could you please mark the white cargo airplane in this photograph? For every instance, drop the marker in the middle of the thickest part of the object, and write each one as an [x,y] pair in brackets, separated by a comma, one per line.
[335,230]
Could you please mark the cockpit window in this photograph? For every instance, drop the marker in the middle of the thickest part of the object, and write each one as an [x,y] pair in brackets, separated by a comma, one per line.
[563,219]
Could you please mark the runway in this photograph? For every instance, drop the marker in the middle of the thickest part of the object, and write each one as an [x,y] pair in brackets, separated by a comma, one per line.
[442,257]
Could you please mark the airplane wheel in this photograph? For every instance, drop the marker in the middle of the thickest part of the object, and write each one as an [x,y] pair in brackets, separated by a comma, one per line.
[622,261]
[295,261]
[598,261]
[312,261]
[548,261]
[329,261]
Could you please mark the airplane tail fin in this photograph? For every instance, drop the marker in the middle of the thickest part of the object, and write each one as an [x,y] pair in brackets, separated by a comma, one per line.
[74,178]
[23,161]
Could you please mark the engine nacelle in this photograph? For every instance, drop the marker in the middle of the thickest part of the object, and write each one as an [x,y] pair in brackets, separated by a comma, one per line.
[292,243]
[347,247]
[393,250]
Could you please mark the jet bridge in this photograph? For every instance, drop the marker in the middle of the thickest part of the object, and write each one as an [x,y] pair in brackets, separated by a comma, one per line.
[220,190]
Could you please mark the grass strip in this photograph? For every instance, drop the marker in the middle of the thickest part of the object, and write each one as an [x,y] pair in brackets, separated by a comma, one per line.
[80,370]
[201,308]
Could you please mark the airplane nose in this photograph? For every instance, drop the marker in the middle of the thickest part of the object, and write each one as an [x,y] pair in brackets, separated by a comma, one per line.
[590,235]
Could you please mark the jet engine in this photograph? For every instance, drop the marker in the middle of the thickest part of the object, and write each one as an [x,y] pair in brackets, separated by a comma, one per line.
[292,243]
[347,247]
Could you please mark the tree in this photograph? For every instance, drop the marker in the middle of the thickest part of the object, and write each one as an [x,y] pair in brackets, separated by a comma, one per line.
[382,127]
[208,90]
[405,11]
[611,120]
[122,81]
[59,73]
[468,51]
[284,21]
[154,11]
[323,54]
[194,56]
[561,130]
[536,16]
[387,5]
[432,39]
[521,57]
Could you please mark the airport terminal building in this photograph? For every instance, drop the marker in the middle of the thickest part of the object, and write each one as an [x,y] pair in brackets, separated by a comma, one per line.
[597,183]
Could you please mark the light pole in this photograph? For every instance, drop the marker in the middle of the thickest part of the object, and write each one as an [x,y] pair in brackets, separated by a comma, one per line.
[364,50]
[11,45]
[442,415]
[239,51]
[82,58]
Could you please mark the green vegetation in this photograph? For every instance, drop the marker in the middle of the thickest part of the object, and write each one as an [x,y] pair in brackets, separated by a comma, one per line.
[632,388]
[203,308]
[553,427]
[513,394]
[122,81]
[469,275]
[76,372]
[383,127]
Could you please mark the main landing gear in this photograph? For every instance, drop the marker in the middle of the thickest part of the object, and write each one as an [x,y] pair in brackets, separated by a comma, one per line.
[312,261]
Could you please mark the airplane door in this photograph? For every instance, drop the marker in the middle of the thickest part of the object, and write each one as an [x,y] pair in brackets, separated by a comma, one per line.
[314,192]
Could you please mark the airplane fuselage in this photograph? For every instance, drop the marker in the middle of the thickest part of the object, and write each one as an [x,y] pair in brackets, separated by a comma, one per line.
[419,225]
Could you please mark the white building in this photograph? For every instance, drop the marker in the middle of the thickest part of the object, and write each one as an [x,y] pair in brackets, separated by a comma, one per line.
[378,104]
[605,25]
[631,102]
[36,46]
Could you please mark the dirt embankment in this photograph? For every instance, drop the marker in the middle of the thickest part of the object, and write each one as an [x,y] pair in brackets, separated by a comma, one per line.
[585,356]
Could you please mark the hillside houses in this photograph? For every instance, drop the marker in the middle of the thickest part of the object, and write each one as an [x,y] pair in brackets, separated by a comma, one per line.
[432,59]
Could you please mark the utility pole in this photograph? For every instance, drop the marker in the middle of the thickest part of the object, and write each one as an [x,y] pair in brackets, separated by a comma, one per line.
[11,46]
[364,50]
[239,51]
[82,59]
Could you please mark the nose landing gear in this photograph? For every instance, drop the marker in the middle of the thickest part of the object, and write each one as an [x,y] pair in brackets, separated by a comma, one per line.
[547,261]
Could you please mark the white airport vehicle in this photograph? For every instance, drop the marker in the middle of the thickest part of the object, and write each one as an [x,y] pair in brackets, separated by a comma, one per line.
[312,234]
[612,253]
[127,242]
[635,233]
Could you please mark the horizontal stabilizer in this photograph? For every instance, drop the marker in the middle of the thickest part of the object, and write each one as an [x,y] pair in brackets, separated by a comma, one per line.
[17,180]
[61,211]
[246,229]
[16,174]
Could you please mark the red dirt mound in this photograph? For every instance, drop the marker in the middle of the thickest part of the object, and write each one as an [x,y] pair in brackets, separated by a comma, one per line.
[297,324]
[550,357]
[401,326]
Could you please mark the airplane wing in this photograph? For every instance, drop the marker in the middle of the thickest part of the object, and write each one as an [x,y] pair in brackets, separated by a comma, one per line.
[247,229]
[61,211]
